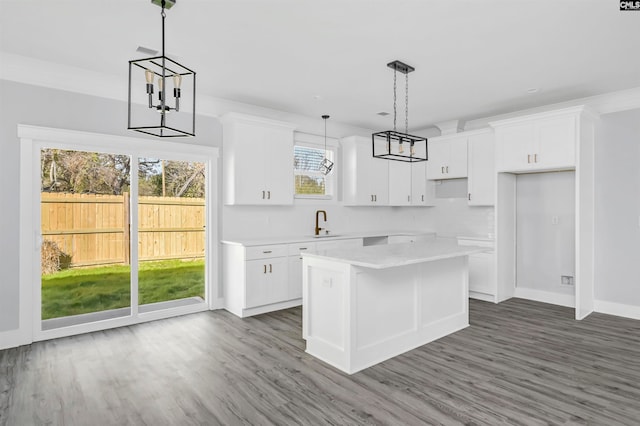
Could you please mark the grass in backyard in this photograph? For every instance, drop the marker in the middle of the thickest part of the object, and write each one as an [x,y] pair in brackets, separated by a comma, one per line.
[81,291]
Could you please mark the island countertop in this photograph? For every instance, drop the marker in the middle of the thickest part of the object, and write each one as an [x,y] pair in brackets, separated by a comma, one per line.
[393,255]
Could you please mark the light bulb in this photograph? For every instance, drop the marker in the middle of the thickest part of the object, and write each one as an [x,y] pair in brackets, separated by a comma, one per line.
[413,149]
[160,80]
[400,148]
[177,80]
[148,74]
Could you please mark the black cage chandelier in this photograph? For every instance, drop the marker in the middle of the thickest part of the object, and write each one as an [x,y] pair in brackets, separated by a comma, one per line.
[162,117]
[394,145]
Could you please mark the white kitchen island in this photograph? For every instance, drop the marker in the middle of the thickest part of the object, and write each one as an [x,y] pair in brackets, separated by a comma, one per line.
[366,305]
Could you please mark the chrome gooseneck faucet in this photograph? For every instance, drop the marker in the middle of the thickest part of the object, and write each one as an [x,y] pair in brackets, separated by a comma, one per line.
[324,214]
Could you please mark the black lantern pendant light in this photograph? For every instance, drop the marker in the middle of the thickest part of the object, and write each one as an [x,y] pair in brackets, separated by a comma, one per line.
[327,165]
[391,144]
[163,118]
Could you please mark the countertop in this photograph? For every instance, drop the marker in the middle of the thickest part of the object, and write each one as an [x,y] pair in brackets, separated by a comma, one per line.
[248,242]
[392,255]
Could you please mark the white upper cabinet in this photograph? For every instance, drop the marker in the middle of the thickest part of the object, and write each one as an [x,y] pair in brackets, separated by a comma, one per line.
[366,179]
[399,183]
[423,191]
[447,157]
[258,160]
[545,141]
[481,181]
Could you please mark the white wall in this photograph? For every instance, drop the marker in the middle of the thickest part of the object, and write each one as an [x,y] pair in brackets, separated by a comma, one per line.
[617,209]
[545,250]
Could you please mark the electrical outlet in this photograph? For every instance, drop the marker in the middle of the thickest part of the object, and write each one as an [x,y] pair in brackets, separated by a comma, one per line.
[566,280]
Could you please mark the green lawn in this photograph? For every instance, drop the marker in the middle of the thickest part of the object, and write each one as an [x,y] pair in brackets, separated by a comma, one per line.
[81,291]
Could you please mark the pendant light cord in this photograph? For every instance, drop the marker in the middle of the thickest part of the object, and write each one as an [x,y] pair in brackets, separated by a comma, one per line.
[406,104]
[395,72]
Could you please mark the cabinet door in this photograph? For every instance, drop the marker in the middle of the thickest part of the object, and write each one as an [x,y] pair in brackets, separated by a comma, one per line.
[438,159]
[482,174]
[278,165]
[419,185]
[379,180]
[457,164]
[555,143]
[266,281]
[295,277]
[481,273]
[248,164]
[400,183]
[514,146]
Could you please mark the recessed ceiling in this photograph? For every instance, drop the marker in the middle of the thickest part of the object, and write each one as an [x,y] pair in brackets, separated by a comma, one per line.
[472,58]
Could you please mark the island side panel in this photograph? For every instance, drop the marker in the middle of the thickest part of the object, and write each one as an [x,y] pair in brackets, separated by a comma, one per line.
[398,309]
[325,311]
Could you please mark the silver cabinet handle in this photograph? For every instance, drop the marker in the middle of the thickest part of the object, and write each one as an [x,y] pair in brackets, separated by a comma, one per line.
[442,169]
[447,169]
[529,158]
[409,198]
[265,269]
[375,198]
[469,196]
[535,158]
[422,197]
[372,198]
[268,195]
[263,194]
[270,268]
[266,251]
[303,248]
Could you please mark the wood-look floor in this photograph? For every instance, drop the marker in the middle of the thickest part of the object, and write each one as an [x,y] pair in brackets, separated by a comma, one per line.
[520,362]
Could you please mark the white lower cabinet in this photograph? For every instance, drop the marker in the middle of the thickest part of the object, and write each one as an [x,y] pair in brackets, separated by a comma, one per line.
[259,279]
[266,281]
[482,267]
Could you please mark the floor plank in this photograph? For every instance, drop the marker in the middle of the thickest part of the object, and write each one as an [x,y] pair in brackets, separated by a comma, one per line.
[519,363]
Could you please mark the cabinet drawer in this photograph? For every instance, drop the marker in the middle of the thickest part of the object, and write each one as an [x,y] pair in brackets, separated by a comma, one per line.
[265,252]
[296,248]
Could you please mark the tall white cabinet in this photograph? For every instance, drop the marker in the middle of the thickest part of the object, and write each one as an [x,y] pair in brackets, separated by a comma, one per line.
[550,141]
[257,160]
[366,179]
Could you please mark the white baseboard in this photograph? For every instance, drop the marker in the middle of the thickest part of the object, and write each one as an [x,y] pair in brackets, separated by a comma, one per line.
[617,309]
[567,300]
[12,339]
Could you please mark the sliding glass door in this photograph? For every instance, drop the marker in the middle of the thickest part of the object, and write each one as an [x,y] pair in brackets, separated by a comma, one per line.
[123,237]
[171,233]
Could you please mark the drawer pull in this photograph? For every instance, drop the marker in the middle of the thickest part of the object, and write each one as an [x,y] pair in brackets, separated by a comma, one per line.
[303,248]
[270,268]
[266,251]
[265,269]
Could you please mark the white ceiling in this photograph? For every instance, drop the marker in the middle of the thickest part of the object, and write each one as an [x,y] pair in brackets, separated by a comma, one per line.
[473,58]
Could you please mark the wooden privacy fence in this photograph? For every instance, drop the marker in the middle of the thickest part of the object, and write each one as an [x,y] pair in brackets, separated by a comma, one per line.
[94,229]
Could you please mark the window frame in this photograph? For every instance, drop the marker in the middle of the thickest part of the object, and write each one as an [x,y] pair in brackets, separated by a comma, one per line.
[317,142]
